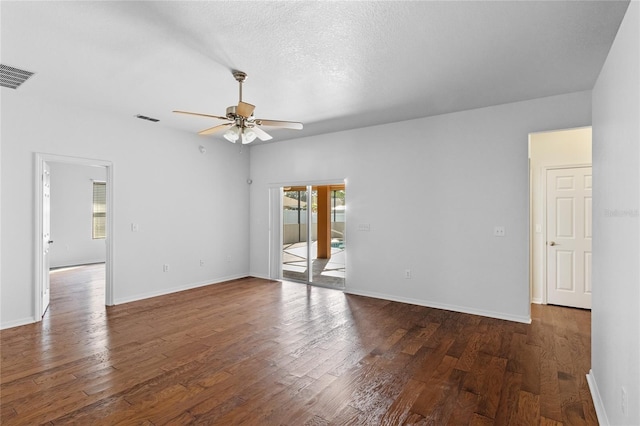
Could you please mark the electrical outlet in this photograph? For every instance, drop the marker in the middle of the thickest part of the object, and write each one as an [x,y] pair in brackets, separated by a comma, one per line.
[498,231]
[407,274]
[165,268]
[623,400]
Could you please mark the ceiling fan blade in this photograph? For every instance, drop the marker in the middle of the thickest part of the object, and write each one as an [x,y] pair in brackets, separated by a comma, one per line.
[244,109]
[202,115]
[261,134]
[214,129]
[276,123]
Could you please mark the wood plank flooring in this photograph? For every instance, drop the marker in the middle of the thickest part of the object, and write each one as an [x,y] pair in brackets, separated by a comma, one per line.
[253,351]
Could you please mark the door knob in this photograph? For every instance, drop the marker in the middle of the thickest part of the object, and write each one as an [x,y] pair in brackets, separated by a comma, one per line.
[50,241]
[552,243]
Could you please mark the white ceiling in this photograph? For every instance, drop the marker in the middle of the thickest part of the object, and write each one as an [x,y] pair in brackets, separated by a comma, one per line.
[330,65]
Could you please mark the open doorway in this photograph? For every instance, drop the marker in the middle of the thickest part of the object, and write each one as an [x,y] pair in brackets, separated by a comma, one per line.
[73,212]
[313,234]
[560,218]
[78,214]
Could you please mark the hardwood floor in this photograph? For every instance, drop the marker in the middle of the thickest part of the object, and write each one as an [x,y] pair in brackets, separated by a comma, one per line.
[259,352]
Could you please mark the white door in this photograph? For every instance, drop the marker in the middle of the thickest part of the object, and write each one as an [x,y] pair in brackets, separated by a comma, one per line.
[569,237]
[46,235]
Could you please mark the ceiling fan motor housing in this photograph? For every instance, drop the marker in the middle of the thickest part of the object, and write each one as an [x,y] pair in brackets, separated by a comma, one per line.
[231,112]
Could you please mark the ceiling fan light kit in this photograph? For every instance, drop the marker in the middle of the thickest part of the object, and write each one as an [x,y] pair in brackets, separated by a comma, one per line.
[246,134]
[242,126]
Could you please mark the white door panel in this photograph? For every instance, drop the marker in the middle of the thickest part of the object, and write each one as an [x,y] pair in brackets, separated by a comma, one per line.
[587,217]
[565,217]
[569,221]
[587,272]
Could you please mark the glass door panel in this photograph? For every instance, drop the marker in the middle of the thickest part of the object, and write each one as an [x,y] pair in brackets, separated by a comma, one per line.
[336,268]
[294,234]
[328,248]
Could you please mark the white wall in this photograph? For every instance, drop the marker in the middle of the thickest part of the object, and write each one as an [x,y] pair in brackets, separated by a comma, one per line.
[615,355]
[71,215]
[456,176]
[547,149]
[189,206]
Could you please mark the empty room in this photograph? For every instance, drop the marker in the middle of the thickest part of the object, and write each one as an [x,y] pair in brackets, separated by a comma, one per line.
[290,213]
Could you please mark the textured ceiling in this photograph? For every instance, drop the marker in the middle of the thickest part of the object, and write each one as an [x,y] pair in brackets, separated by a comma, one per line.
[330,65]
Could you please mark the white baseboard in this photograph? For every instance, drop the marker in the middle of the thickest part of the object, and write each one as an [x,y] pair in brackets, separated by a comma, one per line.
[17,323]
[264,277]
[429,304]
[597,400]
[536,300]
[163,292]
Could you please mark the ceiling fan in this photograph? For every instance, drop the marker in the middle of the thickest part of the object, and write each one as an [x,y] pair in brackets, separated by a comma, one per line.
[241,125]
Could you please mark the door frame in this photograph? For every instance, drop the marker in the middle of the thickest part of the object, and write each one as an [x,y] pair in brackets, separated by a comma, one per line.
[40,159]
[545,169]
[275,232]
[275,223]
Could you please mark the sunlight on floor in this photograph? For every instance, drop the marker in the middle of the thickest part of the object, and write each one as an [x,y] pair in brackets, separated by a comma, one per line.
[325,271]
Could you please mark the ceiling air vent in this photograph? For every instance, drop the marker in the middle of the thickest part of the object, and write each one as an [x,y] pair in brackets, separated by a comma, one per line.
[144,117]
[13,77]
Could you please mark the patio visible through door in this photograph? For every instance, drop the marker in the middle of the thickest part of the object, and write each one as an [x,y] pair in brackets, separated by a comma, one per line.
[316,253]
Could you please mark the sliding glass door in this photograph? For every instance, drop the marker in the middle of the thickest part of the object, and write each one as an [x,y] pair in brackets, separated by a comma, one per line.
[313,243]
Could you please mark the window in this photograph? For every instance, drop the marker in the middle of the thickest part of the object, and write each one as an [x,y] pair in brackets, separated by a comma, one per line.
[99,218]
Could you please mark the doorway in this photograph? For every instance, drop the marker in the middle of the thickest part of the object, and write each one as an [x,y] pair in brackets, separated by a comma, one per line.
[557,150]
[313,234]
[44,241]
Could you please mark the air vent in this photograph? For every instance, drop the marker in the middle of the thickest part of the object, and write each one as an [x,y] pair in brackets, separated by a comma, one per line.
[144,117]
[13,77]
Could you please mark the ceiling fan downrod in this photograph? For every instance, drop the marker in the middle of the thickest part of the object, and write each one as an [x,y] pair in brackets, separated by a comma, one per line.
[240,77]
